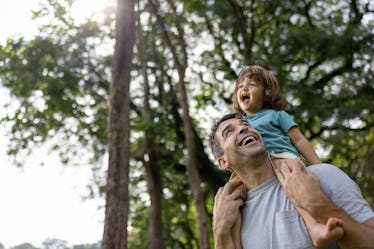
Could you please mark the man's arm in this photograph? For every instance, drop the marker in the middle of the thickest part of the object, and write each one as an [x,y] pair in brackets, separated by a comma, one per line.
[225,212]
[298,184]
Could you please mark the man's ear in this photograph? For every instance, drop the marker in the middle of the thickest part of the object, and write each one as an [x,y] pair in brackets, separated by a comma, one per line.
[223,164]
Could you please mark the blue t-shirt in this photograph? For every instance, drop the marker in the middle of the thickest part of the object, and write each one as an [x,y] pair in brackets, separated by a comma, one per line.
[273,127]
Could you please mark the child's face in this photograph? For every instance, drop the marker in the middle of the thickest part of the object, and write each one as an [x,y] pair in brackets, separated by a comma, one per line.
[250,95]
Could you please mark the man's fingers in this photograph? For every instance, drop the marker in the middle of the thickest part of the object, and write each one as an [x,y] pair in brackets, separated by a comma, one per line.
[298,165]
[230,185]
[232,190]
[282,170]
[219,191]
[239,202]
[218,194]
[240,193]
[274,166]
[312,175]
[228,189]
[233,176]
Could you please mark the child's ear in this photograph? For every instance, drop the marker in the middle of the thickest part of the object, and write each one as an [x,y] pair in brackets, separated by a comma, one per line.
[223,164]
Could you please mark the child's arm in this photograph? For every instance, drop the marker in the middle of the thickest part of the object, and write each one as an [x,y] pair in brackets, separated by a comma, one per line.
[303,145]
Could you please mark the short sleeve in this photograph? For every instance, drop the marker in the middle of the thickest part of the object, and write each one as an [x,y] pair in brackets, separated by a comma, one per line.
[344,192]
[285,121]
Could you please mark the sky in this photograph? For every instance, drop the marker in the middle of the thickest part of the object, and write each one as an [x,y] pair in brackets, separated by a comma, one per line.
[40,202]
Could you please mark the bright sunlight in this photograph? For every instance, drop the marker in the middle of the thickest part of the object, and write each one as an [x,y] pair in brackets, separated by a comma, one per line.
[87,9]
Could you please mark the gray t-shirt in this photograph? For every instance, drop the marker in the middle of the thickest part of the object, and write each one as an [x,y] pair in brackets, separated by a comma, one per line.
[270,221]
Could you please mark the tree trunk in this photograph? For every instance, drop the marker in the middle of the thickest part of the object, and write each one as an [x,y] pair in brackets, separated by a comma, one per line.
[152,173]
[117,191]
[192,169]
[154,188]
[192,164]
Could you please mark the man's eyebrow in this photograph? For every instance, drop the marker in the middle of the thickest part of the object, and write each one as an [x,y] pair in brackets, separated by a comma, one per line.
[241,121]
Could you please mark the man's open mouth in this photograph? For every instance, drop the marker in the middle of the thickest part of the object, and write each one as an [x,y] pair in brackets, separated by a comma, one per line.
[248,140]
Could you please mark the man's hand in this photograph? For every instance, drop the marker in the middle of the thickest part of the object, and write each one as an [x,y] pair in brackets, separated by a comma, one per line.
[301,186]
[226,210]
[303,189]
[278,162]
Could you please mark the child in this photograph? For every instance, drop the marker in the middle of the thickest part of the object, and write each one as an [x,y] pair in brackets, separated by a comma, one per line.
[258,97]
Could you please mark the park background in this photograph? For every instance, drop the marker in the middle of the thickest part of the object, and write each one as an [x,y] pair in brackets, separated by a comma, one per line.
[55,78]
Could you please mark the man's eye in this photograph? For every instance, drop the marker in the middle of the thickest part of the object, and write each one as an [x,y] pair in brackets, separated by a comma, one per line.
[227,133]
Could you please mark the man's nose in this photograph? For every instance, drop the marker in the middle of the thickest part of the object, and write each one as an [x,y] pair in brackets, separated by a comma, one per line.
[242,129]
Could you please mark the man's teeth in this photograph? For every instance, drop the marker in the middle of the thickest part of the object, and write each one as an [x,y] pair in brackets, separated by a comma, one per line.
[248,140]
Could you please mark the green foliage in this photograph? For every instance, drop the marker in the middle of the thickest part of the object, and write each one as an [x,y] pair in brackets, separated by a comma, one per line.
[60,85]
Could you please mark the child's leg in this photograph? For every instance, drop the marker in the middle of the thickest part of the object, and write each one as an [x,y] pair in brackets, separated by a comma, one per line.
[322,235]
[235,232]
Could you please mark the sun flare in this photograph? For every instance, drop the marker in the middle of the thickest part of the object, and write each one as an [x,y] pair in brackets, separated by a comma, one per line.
[84,9]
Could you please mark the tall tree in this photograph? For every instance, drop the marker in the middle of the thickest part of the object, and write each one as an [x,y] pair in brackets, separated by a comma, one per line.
[180,62]
[149,154]
[117,187]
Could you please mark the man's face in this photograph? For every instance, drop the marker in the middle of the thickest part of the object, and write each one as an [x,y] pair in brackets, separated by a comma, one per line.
[239,141]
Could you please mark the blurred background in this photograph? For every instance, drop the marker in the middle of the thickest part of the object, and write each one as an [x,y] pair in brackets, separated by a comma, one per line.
[55,75]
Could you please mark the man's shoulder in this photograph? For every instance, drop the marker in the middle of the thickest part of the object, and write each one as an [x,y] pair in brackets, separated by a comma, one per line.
[325,172]
[322,167]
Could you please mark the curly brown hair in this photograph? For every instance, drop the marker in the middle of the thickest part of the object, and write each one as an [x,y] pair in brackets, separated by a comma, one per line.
[273,97]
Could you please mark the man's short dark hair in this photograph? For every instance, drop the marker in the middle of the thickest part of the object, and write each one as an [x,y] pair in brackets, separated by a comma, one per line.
[213,141]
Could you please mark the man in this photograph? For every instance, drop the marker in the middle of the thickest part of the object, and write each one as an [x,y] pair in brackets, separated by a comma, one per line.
[269,218]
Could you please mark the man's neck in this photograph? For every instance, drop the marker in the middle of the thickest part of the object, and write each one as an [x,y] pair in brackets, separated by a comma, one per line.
[253,177]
